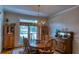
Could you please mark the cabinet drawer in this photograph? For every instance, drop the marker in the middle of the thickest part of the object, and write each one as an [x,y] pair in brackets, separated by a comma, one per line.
[60,46]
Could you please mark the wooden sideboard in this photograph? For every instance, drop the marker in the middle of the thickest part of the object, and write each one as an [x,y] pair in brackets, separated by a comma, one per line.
[64,45]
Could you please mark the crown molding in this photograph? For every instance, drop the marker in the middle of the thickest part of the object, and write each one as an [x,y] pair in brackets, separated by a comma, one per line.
[66,10]
[22,11]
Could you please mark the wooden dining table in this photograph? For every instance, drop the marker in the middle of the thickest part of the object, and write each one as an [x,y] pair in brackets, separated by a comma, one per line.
[41,46]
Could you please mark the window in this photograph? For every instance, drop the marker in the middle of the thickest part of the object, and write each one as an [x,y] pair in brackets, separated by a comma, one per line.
[28,31]
[28,21]
[33,32]
[23,33]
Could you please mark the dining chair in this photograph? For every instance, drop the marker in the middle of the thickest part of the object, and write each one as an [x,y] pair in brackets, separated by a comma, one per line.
[26,45]
[48,48]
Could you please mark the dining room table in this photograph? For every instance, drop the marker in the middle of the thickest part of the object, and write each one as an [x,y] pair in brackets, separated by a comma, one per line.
[41,46]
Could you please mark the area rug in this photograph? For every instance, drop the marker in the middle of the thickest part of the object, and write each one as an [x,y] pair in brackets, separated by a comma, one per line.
[18,51]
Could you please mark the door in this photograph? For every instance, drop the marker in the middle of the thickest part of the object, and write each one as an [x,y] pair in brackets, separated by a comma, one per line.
[29,32]
[23,33]
[33,35]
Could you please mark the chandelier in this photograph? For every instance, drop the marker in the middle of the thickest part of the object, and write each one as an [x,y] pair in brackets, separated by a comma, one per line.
[42,21]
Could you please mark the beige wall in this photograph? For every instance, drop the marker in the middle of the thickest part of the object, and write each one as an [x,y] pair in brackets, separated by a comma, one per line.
[14,17]
[1,28]
[69,20]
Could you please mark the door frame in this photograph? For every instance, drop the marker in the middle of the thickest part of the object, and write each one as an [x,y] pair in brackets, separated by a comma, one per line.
[29,24]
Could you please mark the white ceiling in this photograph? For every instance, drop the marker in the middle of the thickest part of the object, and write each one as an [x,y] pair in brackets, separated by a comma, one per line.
[45,10]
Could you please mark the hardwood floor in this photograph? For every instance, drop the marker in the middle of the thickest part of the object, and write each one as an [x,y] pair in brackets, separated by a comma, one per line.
[21,51]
